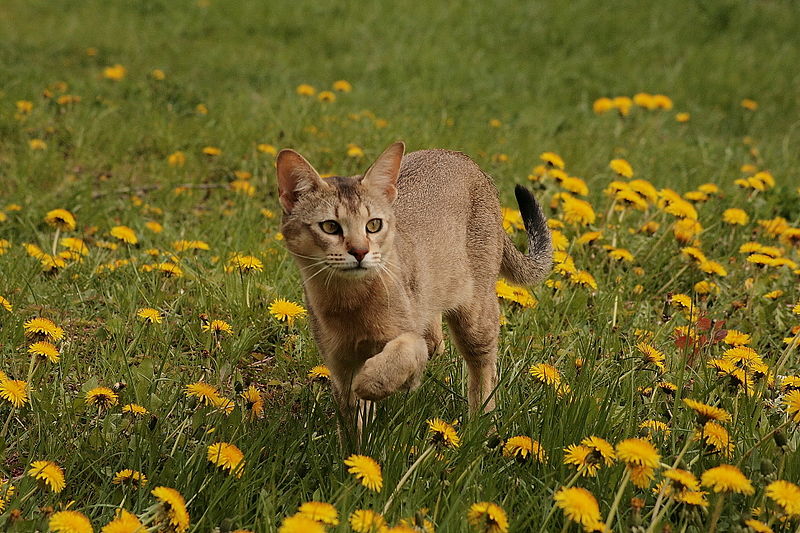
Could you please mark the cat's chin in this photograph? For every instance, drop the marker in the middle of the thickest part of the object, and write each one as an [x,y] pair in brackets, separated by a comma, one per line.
[355,273]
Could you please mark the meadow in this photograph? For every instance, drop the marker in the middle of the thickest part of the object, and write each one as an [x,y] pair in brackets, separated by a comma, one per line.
[157,372]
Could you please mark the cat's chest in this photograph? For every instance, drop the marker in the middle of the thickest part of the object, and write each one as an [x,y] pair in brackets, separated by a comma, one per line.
[356,335]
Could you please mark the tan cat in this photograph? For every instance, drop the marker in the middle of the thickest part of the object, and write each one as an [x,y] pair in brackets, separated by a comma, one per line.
[385,256]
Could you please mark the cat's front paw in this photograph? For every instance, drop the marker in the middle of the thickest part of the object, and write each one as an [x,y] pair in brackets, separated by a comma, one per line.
[370,385]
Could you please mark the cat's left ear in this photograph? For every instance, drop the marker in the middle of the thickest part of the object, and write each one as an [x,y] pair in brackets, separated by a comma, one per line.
[382,175]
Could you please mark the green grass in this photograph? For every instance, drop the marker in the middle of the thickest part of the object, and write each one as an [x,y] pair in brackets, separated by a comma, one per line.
[436,74]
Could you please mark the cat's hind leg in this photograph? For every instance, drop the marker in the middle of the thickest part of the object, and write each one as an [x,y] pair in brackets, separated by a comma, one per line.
[475,330]
[398,366]
[434,337]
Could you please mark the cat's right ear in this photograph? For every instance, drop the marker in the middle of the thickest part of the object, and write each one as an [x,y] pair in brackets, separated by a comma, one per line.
[295,177]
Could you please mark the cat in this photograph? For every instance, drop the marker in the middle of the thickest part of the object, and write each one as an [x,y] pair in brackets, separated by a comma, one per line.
[384,256]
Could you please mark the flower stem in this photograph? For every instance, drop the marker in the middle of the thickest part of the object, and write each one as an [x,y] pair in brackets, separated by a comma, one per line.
[717,513]
[405,477]
[617,498]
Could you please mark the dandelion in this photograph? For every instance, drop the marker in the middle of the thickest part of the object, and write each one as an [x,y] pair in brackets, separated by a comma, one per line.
[749,104]
[326,96]
[211,151]
[522,447]
[206,394]
[69,522]
[115,73]
[726,478]
[546,374]
[217,326]
[14,391]
[172,508]
[367,521]
[254,402]
[150,315]
[651,355]
[578,211]
[758,526]
[124,522]
[600,448]
[654,426]
[169,270]
[717,437]
[792,402]
[321,512]
[442,433]
[735,216]
[682,117]
[176,159]
[785,494]
[285,310]
[638,452]
[681,480]
[736,338]
[621,167]
[130,477]
[61,219]
[580,506]
[37,144]
[246,263]
[583,458]
[488,517]
[49,473]
[124,233]
[46,350]
[306,90]
[602,105]
[266,149]
[366,470]
[343,86]
[319,373]
[583,278]
[707,412]
[300,523]
[228,457]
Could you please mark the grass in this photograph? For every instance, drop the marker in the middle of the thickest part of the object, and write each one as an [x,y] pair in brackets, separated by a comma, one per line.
[432,75]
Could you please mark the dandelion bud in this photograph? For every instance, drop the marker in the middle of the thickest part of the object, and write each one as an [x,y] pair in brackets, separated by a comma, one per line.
[780,439]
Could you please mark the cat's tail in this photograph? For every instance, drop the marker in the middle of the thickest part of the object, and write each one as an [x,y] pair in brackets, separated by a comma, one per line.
[534,267]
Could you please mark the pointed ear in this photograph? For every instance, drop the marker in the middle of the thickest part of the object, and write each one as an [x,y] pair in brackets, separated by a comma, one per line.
[295,176]
[382,175]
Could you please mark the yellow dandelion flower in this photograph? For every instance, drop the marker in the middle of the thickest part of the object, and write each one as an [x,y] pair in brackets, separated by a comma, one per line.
[182,246]
[717,437]
[135,409]
[265,148]
[712,267]
[654,426]
[69,522]
[61,219]
[707,412]
[638,452]
[217,326]
[115,72]
[620,254]
[443,434]
[366,470]
[522,447]
[583,278]
[552,159]
[246,263]
[600,448]
[621,167]
[49,473]
[488,517]
[758,526]
[254,402]
[286,311]
[206,394]
[773,295]
[305,89]
[577,211]
[176,159]
[726,478]
[148,314]
[662,101]
[736,338]
[792,402]
[735,216]
[124,233]
[102,397]
[124,522]
[547,374]
[681,480]
[326,96]
[691,497]
[602,105]
[785,494]
[172,508]
[651,355]
[749,104]
[14,391]
[586,460]
[623,105]
[211,151]
[129,477]
[169,270]
[580,506]
[46,350]
[5,304]
[228,457]
[37,144]
[320,373]
[641,476]
[682,117]
[516,294]
[321,512]
[300,523]
[367,521]
[589,237]
[343,86]
[75,245]
[153,226]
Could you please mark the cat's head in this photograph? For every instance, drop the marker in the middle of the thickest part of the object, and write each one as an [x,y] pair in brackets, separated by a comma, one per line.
[342,226]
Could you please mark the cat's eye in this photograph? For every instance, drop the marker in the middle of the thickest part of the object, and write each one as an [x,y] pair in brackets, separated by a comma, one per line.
[374,225]
[330,227]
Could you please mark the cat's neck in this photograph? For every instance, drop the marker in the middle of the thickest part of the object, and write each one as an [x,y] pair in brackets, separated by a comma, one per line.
[339,294]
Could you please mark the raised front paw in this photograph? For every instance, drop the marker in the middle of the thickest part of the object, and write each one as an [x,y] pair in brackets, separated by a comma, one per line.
[369,384]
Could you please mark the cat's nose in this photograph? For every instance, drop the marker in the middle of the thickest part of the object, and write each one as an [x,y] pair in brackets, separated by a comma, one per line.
[358,253]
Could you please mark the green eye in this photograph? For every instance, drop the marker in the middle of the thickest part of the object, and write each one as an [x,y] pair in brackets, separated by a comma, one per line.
[330,227]
[374,225]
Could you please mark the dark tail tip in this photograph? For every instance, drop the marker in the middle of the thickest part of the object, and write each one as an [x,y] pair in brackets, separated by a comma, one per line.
[532,215]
